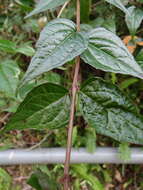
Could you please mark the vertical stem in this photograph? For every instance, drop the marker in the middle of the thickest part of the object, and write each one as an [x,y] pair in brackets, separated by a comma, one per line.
[72,108]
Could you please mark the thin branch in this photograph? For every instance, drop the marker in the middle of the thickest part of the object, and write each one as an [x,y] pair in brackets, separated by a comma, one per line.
[66,179]
[41,142]
[3,120]
[62,9]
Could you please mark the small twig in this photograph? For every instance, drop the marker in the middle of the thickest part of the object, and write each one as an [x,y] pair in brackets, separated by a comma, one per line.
[38,144]
[3,120]
[62,9]
[66,178]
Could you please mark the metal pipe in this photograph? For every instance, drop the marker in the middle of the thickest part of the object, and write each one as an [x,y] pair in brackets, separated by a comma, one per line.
[57,155]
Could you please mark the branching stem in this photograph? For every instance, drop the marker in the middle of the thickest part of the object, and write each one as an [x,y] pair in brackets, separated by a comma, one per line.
[72,109]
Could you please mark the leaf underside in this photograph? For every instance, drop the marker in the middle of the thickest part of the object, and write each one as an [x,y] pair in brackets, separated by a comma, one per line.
[107,52]
[58,43]
[110,112]
[46,106]
[45,5]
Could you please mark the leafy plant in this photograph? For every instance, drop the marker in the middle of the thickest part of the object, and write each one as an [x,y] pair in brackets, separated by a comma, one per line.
[102,104]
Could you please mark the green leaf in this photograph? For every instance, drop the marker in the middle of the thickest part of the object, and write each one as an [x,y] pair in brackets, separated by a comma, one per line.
[110,24]
[5,180]
[91,140]
[133,19]
[58,43]
[85,10]
[124,152]
[107,52]
[7,46]
[81,170]
[46,106]
[34,182]
[45,5]
[126,83]
[9,78]
[110,112]
[118,4]
[10,47]
[26,49]
[139,58]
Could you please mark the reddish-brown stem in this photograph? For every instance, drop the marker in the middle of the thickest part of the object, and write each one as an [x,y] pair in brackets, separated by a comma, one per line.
[72,108]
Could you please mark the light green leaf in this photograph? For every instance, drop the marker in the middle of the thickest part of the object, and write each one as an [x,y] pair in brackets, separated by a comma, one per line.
[119,4]
[82,171]
[110,112]
[46,106]
[107,52]
[7,46]
[91,140]
[9,78]
[5,180]
[26,49]
[58,43]
[124,152]
[133,19]
[11,47]
[45,5]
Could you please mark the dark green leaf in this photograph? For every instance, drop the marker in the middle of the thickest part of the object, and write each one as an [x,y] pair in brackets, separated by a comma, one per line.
[118,4]
[46,106]
[107,109]
[107,52]
[139,58]
[45,5]
[85,10]
[41,181]
[134,18]
[34,182]
[9,78]
[58,43]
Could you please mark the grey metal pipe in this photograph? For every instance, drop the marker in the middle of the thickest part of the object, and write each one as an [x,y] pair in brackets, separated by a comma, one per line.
[57,155]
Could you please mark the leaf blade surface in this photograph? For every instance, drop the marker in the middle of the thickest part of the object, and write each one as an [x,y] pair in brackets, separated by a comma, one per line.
[110,112]
[107,52]
[58,43]
[46,106]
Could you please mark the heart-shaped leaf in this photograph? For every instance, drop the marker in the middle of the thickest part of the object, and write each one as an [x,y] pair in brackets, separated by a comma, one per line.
[45,5]
[46,106]
[107,109]
[107,52]
[58,43]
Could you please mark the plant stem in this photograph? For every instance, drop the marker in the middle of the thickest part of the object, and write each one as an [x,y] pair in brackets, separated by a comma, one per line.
[72,108]
[62,9]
